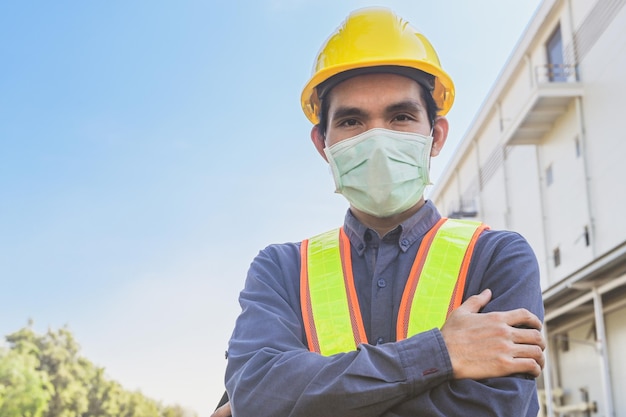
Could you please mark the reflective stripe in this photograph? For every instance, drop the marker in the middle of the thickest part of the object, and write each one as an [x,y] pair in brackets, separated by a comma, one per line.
[434,291]
[330,308]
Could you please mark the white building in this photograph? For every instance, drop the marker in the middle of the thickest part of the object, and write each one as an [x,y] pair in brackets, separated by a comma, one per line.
[546,156]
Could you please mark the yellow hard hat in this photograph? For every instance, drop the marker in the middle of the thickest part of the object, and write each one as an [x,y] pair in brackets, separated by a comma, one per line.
[372,38]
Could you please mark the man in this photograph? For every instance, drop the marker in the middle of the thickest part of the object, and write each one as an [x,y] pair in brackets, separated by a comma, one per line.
[340,324]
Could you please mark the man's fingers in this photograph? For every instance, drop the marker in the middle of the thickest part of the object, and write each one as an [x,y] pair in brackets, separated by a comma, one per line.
[531,337]
[528,357]
[522,359]
[527,366]
[523,319]
[534,352]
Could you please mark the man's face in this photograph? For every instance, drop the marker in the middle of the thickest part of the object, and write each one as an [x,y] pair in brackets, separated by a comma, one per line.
[370,101]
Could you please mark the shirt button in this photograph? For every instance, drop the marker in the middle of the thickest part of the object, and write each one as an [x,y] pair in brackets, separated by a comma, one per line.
[380,341]
[405,243]
[382,283]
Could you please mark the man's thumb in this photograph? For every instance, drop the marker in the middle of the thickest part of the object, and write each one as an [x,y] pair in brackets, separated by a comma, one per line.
[476,302]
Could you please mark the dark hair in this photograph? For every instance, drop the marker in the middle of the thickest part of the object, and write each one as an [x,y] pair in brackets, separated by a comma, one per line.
[431,108]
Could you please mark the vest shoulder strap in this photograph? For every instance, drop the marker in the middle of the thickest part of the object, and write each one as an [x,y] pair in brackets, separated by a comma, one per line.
[330,307]
[436,282]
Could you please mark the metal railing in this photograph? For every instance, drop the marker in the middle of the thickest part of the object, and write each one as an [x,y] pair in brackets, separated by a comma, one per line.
[556,73]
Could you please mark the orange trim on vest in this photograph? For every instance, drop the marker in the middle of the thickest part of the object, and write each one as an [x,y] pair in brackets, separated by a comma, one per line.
[305,300]
[358,328]
[402,325]
[457,296]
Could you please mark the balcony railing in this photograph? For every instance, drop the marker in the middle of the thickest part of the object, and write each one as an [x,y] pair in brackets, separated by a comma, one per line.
[556,73]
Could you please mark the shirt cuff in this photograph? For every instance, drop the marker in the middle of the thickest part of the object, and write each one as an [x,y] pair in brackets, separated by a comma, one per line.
[425,360]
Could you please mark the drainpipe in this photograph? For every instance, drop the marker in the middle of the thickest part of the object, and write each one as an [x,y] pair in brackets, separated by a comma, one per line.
[583,153]
[544,216]
[531,72]
[507,199]
[479,191]
[607,388]
[547,376]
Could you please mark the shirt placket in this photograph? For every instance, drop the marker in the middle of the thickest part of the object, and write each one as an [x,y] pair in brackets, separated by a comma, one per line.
[383,281]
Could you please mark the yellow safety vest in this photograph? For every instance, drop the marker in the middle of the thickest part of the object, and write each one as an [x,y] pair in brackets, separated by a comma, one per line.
[330,307]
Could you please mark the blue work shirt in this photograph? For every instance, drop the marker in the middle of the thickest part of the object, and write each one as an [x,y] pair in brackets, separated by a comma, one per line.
[272,373]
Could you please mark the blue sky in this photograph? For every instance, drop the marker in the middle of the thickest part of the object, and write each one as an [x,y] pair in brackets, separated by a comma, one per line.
[150,149]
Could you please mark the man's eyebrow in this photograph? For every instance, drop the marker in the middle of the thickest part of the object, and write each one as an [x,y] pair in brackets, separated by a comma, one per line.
[408,105]
[346,111]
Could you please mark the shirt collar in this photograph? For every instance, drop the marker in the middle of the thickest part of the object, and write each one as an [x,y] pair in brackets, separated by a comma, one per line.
[406,234]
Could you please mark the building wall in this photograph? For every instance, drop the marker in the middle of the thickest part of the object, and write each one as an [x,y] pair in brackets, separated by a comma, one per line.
[548,159]
[602,70]
[523,188]
[564,192]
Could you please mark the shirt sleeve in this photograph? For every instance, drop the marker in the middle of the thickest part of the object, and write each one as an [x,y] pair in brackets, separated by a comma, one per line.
[507,265]
[495,397]
[271,372]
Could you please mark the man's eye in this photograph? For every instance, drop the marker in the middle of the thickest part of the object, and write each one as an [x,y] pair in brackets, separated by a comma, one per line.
[349,122]
[403,118]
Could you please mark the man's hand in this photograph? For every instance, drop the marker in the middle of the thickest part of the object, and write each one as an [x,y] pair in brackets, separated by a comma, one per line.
[495,344]
[223,411]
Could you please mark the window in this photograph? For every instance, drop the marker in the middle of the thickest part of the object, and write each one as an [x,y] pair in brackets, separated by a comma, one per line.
[556,256]
[562,340]
[549,176]
[554,49]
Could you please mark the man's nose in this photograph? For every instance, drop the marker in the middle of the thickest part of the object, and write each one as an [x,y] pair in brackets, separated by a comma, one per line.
[377,123]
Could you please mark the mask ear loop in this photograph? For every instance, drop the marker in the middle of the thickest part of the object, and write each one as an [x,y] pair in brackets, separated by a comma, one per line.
[432,129]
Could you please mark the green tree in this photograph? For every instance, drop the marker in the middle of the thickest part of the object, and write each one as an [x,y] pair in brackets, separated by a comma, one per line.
[24,391]
[135,404]
[57,353]
[104,395]
[59,359]
[176,411]
[44,376]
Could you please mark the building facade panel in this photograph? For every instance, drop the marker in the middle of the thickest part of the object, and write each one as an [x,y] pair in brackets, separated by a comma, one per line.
[603,109]
[548,148]
[515,98]
[495,212]
[522,184]
[563,189]
[616,340]
[579,10]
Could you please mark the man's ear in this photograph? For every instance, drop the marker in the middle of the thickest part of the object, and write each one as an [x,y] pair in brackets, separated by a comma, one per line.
[318,140]
[440,134]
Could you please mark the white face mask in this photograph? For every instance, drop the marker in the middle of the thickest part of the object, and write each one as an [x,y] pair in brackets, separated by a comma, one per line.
[381,172]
